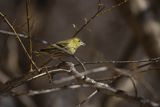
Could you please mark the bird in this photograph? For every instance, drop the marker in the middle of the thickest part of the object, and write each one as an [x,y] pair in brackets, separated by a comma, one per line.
[62,48]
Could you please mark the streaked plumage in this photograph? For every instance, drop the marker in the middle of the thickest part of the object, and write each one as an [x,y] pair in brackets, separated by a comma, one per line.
[62,48]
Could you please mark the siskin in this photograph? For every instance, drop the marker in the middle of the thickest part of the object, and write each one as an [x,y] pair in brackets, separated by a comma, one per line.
[62,48]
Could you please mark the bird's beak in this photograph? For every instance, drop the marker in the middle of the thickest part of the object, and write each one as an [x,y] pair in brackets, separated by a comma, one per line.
[82,43]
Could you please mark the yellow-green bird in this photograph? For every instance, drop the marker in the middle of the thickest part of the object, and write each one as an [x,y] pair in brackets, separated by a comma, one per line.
[62,48]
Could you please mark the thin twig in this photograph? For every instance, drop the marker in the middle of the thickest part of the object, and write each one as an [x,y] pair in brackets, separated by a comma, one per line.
[12,34]
[98,85]
[107,89]
[49,77]
[88,98]
[67,79]
[44,91]
[87,22]
[100,11]
[79,61]
[19,39]
[157,59]
[5,88]
[28,30]
[103,87]
[113,7]
[8,86]
[134,85]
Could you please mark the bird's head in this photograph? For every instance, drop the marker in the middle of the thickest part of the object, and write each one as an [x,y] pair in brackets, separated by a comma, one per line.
[74,44]
[77,42]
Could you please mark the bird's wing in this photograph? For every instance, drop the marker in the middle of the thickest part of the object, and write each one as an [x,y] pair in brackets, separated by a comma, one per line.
[56,48]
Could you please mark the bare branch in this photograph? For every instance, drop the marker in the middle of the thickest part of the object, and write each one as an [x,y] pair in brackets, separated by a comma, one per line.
[5,88]
[13,34]
[152,60]
[19,39]
[28,30]
[108,89]
[88,98]
[36,92]
[101,10]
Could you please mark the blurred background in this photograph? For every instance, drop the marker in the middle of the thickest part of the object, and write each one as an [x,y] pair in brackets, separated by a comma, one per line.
[128,32]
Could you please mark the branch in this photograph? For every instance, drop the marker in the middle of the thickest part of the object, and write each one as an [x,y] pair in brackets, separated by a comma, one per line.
[13,34]
[28,30]
[108,89]
[8,86]
[153,60]
[70,69]
[101,10]
[19,39]
[44,91]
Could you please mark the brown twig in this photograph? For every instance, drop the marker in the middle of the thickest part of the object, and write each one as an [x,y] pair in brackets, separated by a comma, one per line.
[80,62]
[152,60]
[28,30]
[8,86]
[44,91]
[101,10]
[87,22]
[19,39]
[88,98]
[67,79]
[105,88]
[12,34]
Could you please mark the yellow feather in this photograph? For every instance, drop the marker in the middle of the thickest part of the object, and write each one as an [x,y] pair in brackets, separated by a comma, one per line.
[62,48]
